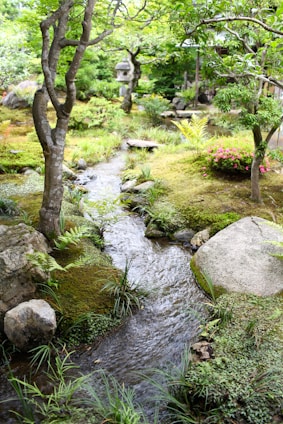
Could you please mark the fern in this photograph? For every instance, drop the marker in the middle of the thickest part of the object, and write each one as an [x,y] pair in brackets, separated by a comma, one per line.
[195,131]
[71,237]
[44,261]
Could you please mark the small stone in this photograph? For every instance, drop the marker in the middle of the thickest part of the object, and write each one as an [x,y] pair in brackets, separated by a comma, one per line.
[30,324]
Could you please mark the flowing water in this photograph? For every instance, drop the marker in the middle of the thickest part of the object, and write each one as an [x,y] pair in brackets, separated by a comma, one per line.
[157,335]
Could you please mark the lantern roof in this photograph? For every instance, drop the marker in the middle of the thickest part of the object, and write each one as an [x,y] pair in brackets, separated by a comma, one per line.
[123,66]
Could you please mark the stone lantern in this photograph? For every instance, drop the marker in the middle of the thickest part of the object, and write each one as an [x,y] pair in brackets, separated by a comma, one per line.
[123,70]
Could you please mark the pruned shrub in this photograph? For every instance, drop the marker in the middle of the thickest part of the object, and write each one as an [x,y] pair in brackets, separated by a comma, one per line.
[234,161]
[96,113]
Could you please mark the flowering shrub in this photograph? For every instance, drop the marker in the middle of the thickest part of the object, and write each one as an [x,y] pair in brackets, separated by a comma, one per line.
[234,160]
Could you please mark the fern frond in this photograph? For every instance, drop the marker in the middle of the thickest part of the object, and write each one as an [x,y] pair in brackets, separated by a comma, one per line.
[44,261]
[194,131]
[72,237]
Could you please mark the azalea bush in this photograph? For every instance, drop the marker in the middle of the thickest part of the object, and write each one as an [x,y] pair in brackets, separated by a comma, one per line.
[234,160]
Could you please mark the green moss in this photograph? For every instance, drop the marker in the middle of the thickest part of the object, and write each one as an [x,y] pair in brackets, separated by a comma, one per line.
[16,116]
[203,282]
[26,154]
[208,200]
[79,288]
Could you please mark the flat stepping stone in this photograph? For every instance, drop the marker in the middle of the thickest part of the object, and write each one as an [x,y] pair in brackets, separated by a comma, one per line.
[180,113]
[142,144]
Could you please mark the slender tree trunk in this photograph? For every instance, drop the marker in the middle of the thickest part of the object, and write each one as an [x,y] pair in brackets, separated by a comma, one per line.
[259,153]
[133,83]
[197,77]
[53,144]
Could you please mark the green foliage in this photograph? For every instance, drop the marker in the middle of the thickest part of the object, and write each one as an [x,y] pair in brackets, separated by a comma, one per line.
[95,149]
[126,298]
[276,154]
[75,195]
[73,236]
[187,95]
[234,161]
[8,207]
[101,211]
[159,135]
[44,261]
[114,403]
[26,94]
[154,105]
[145,87]
[194,131]
[64,385]
[107,89]
[15,58]
[242,382]
[96,113]
[164,216]
[86,328]
[265,111]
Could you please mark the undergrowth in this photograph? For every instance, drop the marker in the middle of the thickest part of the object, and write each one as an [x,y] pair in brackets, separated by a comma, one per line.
[241,382]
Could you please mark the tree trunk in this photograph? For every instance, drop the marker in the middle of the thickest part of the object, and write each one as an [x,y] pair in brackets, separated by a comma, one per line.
[53,144]
[133,83]
[197,77]
[53,193]
[259,153]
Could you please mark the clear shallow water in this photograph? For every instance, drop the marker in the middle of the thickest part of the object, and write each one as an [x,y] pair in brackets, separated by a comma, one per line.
[156,336]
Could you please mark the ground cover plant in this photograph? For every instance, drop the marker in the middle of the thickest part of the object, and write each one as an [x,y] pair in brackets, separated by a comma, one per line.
[241,382]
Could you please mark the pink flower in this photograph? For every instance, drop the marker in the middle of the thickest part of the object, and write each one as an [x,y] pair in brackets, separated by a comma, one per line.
[246,168]
[204,175]
[235,165]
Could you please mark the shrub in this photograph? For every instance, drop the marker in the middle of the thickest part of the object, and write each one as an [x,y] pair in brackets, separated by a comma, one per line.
[234,161]
[154,105]
[96,113]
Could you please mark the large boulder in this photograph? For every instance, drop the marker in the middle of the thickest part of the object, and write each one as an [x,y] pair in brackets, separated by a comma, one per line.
[30,324]
[21,96]
[239,258]
[18,277]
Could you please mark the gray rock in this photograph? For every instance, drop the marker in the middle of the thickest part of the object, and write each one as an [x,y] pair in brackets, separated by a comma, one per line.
[200,238]
[81,164]
[143,186]
[68,173]
[30,324]
[153,232]
[239,258]
[184,236]
[15,99]
[17,275]
[128,186]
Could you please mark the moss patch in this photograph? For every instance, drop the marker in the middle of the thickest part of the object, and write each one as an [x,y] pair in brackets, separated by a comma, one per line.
[201,279]
[79,288]
[206,199]
[17,153]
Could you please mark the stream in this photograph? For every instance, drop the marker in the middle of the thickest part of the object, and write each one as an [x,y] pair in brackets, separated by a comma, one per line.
[156,336]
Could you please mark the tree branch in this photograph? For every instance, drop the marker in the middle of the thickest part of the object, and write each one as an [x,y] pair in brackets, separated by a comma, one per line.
[232,19]
[272,131]
[74,66]
[246,46]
